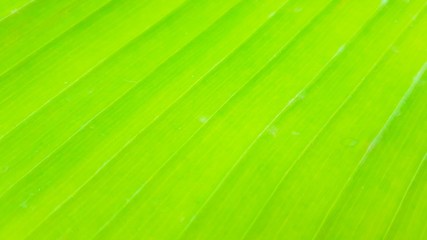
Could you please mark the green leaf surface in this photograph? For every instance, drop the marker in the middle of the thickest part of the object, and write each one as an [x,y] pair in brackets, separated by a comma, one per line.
[197,119]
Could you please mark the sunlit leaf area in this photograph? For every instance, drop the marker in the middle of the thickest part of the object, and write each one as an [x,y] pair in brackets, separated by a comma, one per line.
[213,119]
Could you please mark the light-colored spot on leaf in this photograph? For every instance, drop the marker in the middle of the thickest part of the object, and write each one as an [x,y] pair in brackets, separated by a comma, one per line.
[203,119]
[384,2]
[273,131]
[295,133]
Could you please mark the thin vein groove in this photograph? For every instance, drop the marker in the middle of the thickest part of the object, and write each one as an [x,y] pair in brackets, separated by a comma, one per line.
[411,182]
[375,65]
[100,63]
[15,11]
[133,139]
[318,133]
[246,151]
[402,201]
[146,186]
[378,137]
[269,62]
[375,141]
[348,99]
[34,52]
[160,22]
[142,130]
[110,105]
[84,125]
[105,109]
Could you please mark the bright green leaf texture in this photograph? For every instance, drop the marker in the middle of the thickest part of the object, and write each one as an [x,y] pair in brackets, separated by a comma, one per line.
[213,119]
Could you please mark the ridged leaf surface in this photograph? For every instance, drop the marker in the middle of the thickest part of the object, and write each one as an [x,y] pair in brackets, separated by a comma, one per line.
[227,119]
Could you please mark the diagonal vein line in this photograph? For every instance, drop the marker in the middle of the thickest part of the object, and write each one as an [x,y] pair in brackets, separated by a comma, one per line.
[375,141]
[269,62]
[137,38]
[98,64]
[256,75]
[16,10]
[62,92]
[288,105]
[419,167]
[388,169]
[381,59]
[293,100]
[143,130]
[105,109]
[247,150]
[49,42]
[349,97]
[402,201]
